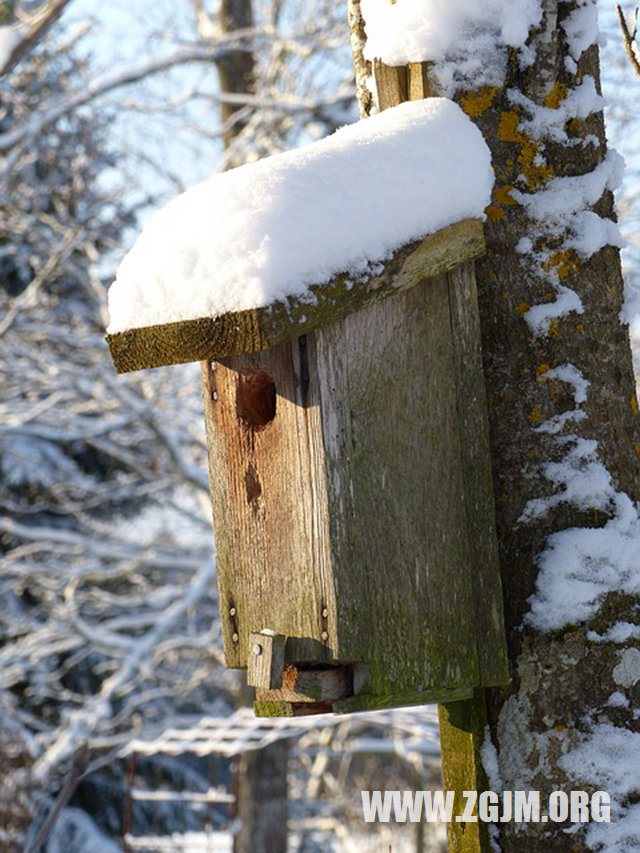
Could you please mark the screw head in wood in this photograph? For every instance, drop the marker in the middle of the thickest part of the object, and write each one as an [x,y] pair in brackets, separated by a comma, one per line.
[325,612]
[232,611]
[325,636]
[235,638]
[257,649]
[214,396]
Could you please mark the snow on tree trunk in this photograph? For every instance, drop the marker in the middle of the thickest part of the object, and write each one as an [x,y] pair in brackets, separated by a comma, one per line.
[564,426]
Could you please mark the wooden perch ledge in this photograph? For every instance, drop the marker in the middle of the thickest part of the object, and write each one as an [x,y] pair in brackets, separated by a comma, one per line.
[264,328]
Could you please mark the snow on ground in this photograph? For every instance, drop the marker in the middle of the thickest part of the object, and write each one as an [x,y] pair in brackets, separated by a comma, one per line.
[268,230]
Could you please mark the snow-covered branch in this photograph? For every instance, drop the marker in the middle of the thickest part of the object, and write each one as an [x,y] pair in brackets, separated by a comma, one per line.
[17,40]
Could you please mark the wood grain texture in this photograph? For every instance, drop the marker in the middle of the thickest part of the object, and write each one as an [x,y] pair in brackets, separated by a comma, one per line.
[318,684]
[476,462]
[265,328]
[396,491]
[266,660]
[270,507]
[462,733]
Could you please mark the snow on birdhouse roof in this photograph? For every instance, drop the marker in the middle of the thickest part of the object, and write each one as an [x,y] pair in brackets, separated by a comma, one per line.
[269,233]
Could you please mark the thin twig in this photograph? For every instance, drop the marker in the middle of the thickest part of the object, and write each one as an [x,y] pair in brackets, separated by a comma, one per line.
[76,773]
[628,38]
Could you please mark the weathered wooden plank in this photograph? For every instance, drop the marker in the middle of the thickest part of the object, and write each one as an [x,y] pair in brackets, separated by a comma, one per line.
[290,709]
[392,84]
[462,732]
[371,702]
[476,459]
[266,660]
[419,84]
[265,328]
[319,684]
[270,506]
[396,493]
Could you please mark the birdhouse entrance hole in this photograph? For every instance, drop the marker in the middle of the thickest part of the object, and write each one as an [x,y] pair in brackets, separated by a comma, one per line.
[255,398]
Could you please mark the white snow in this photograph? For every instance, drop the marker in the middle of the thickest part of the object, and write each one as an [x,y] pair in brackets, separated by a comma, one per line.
[539,317]
[489,756]
[76,832]
[562,208]
[580,479]
[617,700]
[608,759]
[618,633]
[580,565]
[550,122]
[9,39]
[248,237]
[562,205]
[581,28]
[569,375]
[430,30]
[467,43]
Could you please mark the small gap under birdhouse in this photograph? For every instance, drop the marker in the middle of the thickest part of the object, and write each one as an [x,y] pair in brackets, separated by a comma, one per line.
[255,398]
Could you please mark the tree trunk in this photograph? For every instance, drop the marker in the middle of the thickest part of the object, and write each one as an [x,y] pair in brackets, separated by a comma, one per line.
[560,699]
[237,73]
[261,805]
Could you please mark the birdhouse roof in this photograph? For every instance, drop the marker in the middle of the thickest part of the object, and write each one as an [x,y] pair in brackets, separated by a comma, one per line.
[266,252]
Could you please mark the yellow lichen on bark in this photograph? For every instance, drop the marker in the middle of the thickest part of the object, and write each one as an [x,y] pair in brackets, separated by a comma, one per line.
[534,168]
[501,198]
[478,102]
[556,96]
[494,213]
[535,415]
[563,262]
[542,369]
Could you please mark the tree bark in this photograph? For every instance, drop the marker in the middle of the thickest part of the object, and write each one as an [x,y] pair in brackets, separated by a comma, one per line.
[560,682]
[261,806]
[236,70]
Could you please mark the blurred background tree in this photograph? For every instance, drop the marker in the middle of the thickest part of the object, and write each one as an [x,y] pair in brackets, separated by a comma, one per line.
[108,619]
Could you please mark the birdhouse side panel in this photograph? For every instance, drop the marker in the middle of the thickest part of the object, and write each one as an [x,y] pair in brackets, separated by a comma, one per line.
[476,459]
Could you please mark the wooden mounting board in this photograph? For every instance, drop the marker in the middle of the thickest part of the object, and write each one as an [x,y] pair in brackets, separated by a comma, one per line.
[264,328]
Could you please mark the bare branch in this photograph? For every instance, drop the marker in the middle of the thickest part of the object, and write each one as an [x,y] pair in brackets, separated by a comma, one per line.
[628,38]
[46,15]
[109,82]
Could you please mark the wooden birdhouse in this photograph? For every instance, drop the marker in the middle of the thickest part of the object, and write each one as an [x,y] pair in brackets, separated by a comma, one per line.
[351,483]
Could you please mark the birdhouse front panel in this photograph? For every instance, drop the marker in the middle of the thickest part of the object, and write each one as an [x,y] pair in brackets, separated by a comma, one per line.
[270,503]
[343,507]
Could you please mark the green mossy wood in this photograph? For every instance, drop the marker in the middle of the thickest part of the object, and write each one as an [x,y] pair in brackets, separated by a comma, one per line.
[351,484]
[263,328]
